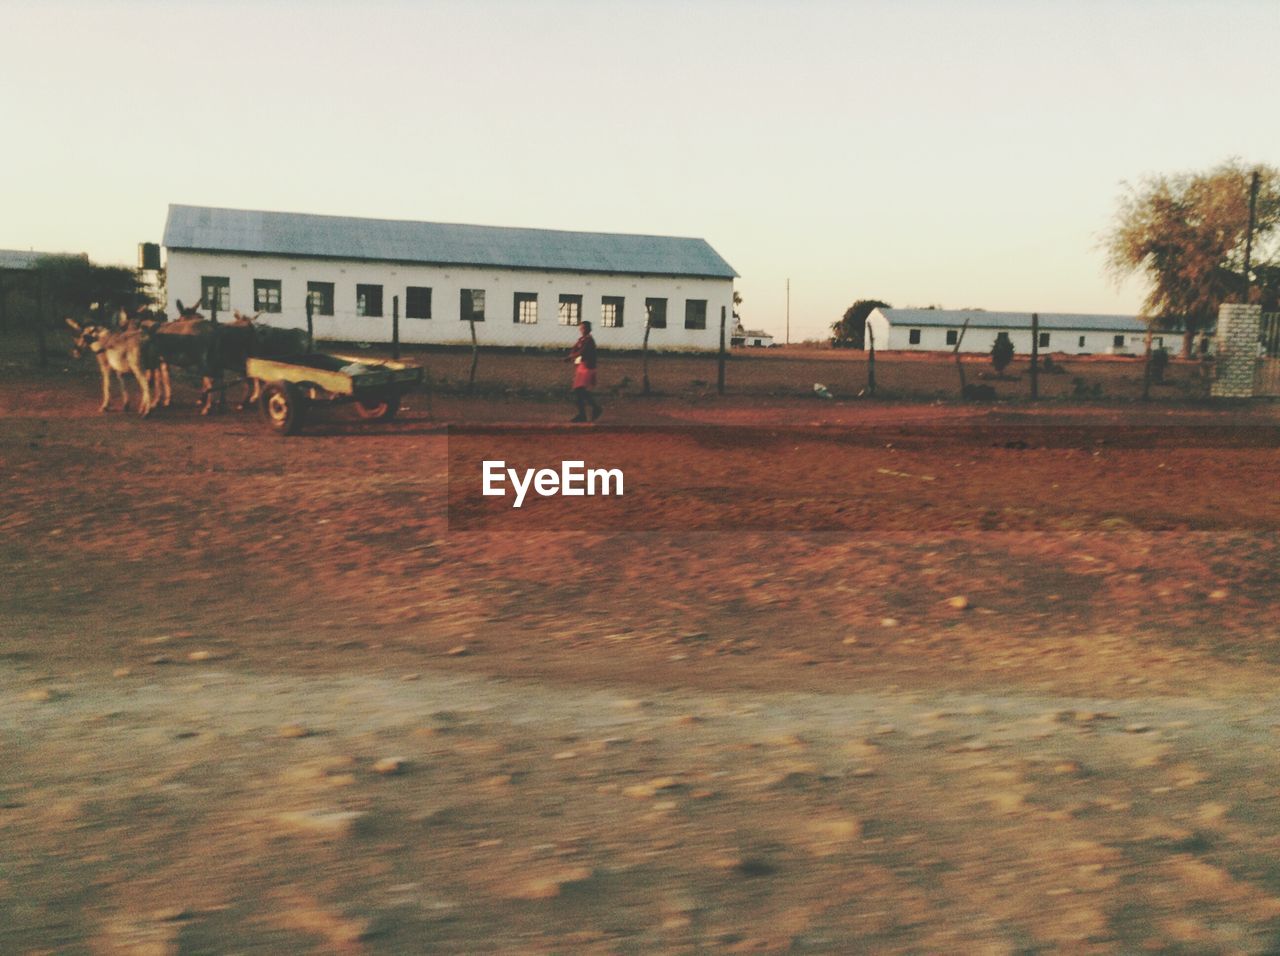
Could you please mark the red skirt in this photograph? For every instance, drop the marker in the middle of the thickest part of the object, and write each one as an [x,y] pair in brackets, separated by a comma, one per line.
[584,377]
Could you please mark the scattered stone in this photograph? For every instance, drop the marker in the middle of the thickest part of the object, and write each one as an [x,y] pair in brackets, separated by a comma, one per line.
[644,791]
[390,765]
[160,659]
[827,836]
[202,656]
[883,729]
[411,677]
[39,696]
[293,731]
[550,886]
[565,755]
[1212,812]
[334,771]
[888,622]
[958,603]
[1007,801]
[460,651]
[121,672]
[1137,728]
[850,640]
[977,745]
[1218,594]
[335,825]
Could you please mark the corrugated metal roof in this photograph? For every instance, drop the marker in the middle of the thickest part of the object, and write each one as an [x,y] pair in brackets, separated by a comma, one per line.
[26,259]
[341,237]
[1049,321]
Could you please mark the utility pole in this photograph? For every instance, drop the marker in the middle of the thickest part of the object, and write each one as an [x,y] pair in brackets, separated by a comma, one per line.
[1248,236]
[788,311]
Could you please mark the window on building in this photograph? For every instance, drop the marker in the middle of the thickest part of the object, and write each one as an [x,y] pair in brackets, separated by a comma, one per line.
[215,293]
[320,295]
[611,311]
[655,311]
[695,313]
[525,310]
[417,302]
[266,295]
[369,300]
[1081,343]
[1044,340]
[471,307]
[1118,341]
[913,336]
[952,336]
[570,309]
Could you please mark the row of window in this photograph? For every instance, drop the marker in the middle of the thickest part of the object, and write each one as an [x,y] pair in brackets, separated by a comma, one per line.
[471,304]
[953,336]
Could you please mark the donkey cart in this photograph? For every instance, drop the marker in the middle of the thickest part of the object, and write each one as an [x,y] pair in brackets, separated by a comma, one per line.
[291,386]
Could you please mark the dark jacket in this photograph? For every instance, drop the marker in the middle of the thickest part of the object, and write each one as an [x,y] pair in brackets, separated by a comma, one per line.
[585,347]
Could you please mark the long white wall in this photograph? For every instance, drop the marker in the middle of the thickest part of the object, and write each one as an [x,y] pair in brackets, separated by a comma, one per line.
[1095,342]
[185,270]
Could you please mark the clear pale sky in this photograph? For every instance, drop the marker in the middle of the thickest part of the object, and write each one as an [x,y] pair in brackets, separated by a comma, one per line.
[952,153]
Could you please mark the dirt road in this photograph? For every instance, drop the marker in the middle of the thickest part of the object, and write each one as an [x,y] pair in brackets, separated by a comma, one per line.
[257,696]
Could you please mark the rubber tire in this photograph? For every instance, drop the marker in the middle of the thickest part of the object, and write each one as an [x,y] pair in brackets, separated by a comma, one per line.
[283,407]
[382,410]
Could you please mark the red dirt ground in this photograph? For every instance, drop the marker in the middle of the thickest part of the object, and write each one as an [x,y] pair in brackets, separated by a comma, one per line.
[741,712]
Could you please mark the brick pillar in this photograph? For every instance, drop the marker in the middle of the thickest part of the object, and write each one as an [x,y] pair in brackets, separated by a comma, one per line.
[1236,351]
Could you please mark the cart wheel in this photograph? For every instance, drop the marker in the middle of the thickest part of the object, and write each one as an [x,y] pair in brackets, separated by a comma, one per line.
[379,408]
[283,407]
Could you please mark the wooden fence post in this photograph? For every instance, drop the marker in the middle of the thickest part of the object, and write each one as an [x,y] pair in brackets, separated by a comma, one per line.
[720,375]
[311,338]
[395,327]
[1146,368]
[956,352]
[871,361]
[644,361]
[475,355]
[1035,355]
[42,352]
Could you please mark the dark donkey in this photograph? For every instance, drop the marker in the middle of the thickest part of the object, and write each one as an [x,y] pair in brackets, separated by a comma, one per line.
[212,348]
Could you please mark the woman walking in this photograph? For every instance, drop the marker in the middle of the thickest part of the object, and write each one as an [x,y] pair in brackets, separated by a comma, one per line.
[583,355]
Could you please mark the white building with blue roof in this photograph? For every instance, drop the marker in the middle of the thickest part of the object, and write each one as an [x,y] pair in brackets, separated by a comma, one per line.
[529,287]
[925,330]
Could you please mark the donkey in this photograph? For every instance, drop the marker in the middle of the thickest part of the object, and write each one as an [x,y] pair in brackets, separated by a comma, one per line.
[120,352]
[210,348]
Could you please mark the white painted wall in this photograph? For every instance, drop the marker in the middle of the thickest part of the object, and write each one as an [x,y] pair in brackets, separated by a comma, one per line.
[186,268]
[934,339]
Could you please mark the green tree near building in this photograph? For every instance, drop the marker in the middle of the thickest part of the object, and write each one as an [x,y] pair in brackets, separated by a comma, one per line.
[851,331]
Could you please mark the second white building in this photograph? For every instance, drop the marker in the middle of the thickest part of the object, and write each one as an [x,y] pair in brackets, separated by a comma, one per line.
[924,330]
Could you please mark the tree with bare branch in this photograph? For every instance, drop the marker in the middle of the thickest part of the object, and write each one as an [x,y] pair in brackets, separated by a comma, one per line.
[1187,235]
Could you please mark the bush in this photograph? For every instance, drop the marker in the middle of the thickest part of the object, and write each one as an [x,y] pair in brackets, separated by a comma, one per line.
[1002,352]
